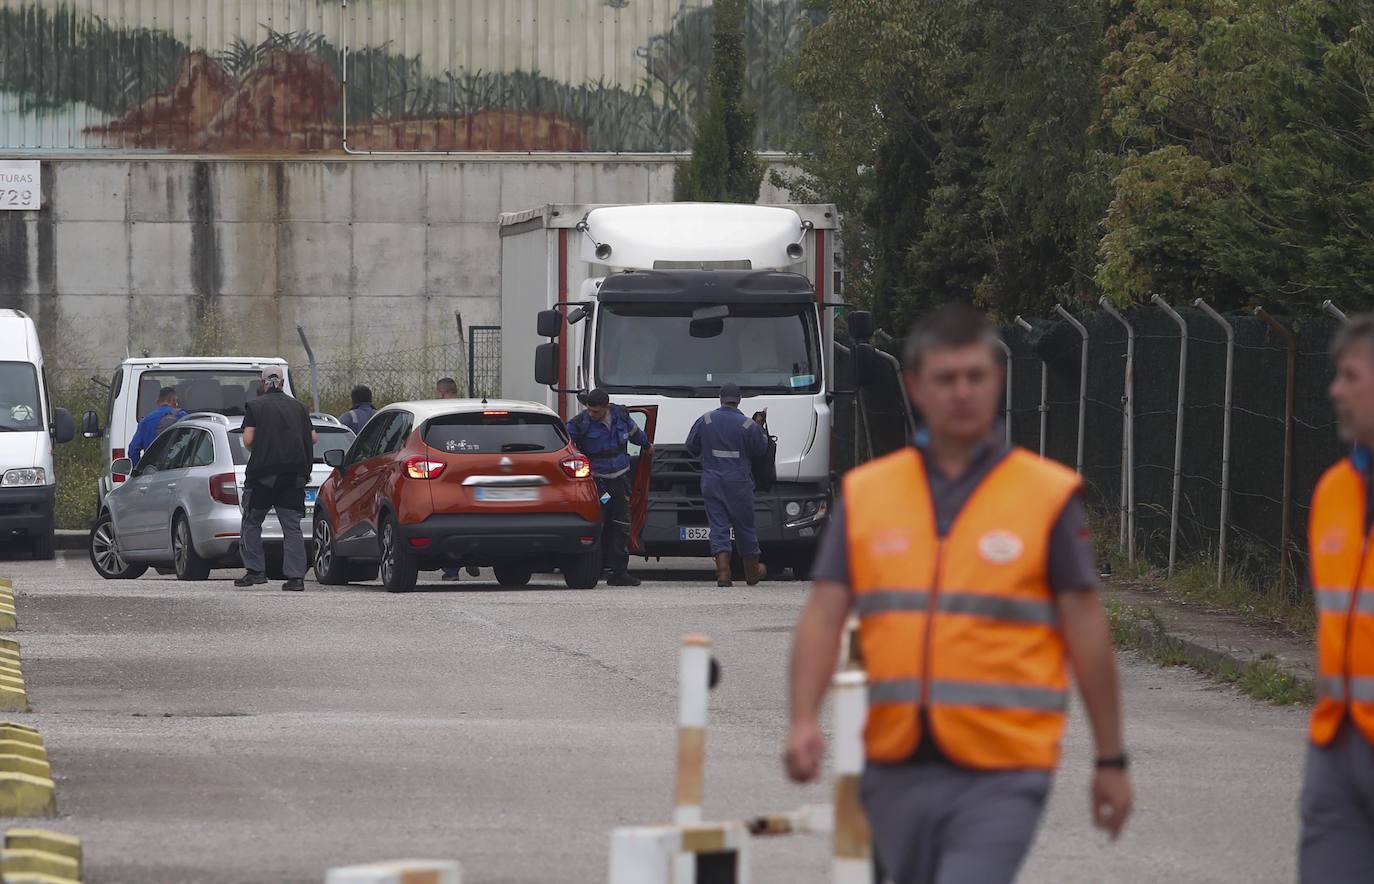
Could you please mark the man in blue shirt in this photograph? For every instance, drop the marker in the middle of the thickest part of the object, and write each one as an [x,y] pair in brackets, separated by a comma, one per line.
[603,433]
[727,442]
[363,409]
[154,422]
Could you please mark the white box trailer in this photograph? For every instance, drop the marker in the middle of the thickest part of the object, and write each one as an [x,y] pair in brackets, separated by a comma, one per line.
[631,280]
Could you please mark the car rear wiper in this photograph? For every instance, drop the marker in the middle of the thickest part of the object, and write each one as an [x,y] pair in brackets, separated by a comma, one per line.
[522,446]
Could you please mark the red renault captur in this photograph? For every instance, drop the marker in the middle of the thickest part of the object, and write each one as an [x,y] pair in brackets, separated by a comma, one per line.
[457,482]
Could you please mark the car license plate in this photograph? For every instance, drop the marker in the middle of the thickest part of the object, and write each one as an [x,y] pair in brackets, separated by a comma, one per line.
[700,533]
[507,495]
[310,495]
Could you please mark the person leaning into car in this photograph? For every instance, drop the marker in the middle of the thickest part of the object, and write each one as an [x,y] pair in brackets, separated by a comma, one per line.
[281,440]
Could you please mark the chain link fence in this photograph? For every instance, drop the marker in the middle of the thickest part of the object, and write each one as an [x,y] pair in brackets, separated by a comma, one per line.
[484,361]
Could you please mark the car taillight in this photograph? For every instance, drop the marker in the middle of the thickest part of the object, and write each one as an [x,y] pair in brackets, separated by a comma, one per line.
[424,468]
[114,456]
[577,467]
[224,488]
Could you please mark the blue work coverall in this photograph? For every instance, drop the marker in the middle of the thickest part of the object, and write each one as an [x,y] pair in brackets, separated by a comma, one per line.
[725,440]
[606,445]
[153,423]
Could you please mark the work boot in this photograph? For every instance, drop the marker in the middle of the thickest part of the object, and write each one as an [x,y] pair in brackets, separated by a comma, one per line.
[295,584]
[623,578]
[754,570]
[723,570]
[251,578]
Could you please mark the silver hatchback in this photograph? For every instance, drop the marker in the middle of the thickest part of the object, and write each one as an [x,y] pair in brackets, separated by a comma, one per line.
[180,509]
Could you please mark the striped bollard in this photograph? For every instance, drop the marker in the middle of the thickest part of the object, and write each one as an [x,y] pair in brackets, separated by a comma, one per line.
[853,863]
[694,676]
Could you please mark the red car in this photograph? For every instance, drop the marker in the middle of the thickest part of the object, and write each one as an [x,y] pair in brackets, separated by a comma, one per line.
[454,482]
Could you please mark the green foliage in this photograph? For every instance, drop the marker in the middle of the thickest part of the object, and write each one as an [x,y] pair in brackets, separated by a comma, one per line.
[723,166]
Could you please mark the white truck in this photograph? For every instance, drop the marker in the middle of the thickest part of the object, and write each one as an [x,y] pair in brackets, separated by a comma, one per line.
[661,304]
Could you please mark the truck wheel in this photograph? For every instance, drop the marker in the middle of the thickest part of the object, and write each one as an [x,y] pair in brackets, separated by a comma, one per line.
[582,572]
[189,565]
[398,567]
[104,552]
[512,575]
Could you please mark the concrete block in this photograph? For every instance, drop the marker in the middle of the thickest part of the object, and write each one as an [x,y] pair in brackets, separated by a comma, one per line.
[160,258]
[46,841]
[95,332]
[160,323]
[386,324]
[23,748]
[389,191]
[248,192]
[389,259]
[10,681]
[463,191]
[315,257]
[13,699]
[25,795]
[18,733]
[318,191]
[255,325]
[8,622]
[328,321]
[88,190]
[23,764]
[463,259]
[92,257]
[409,871]
[161,191]
[21,861]
[248,258]
[526,185]
[661,181]
[9,644]
[475,310]
[610,183]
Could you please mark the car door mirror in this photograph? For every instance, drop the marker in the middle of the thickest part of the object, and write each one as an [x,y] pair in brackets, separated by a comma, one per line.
[546,364]
[90,425]
[63,427]
[334,457]
[122,467]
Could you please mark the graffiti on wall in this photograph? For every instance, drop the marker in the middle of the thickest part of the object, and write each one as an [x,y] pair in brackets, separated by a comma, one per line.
[74,80]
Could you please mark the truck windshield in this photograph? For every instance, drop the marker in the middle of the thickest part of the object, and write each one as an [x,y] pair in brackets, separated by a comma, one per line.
[19,406]
[652,347]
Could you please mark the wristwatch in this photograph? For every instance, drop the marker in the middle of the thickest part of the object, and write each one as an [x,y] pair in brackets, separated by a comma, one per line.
[1114,762]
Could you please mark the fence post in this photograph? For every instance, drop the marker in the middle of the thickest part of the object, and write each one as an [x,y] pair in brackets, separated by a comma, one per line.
[1006,351]
[1127,436]
[1330,307]
[314,381]
[1044,387]
[1082,380]
[1178,424]
[1225,435]
[1291,344]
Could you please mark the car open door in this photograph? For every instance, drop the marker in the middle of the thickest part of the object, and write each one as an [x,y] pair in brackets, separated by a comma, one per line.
[641,468]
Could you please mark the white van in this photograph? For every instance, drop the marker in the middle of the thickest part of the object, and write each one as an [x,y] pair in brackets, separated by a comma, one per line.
[222,385]
[29,425]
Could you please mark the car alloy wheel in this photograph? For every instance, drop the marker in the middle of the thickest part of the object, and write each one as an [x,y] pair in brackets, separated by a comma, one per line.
[105,551]
[324,546]
[181,541]
[388,553]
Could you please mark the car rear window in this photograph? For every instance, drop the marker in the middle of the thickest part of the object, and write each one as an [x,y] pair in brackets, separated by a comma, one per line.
[327,438]
[495,432]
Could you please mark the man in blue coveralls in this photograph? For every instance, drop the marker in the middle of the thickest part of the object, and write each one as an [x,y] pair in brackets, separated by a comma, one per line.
[727,441]
[603,432]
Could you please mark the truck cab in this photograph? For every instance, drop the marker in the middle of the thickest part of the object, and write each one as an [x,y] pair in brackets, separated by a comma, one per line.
[660,305]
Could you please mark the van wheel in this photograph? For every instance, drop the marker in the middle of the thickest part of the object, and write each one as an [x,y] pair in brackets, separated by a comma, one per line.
[513,575]
[44,545]
[104,552]
[189,565]
[398,567]
[582,572]
[330,568]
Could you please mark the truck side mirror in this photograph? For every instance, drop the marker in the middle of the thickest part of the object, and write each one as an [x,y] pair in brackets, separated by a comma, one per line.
[866,365]
[860,324]
[63,427]
[546,359]
[90,425]
[549,323]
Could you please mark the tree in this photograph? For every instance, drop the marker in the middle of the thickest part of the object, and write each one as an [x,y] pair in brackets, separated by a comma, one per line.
[723,166]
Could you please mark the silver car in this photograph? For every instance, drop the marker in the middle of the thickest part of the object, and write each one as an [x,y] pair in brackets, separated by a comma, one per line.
[180,509]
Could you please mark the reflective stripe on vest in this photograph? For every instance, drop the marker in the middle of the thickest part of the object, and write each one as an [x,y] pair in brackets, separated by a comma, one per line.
[725,455]
[1340,557]
[964,625]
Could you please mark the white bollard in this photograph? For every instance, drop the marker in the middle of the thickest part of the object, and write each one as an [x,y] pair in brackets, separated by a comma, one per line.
[852,862]
[650,854]
[406,871]
[694,675]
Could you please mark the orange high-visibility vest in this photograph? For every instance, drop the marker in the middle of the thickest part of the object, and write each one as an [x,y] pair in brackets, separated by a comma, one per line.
[963,626]
[1343,585]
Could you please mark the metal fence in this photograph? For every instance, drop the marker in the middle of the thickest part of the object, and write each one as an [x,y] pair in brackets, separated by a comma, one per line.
[484,361]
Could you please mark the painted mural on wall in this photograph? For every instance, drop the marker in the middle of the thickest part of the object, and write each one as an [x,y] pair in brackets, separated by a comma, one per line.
[71,79]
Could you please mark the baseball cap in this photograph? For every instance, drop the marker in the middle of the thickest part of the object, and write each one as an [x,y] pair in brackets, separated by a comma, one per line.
[273,371]
[729,393]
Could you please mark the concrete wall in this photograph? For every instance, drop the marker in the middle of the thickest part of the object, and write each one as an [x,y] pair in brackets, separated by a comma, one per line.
[180,256]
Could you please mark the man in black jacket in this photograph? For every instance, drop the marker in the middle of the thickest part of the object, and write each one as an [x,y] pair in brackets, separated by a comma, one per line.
[281,441]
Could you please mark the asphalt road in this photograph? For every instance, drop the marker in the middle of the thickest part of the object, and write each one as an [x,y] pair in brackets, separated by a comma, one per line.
[201,733]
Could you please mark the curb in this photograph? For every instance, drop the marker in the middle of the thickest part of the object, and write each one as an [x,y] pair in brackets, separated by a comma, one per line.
[69,538]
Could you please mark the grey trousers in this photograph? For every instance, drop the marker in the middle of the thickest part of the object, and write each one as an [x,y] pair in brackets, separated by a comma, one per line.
[941,824]
[1337,843]
[293,542]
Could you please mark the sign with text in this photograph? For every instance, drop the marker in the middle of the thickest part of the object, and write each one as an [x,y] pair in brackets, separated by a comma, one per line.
[21,186]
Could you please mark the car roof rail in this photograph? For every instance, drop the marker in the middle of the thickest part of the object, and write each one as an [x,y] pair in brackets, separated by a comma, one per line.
[326,418]
[207,416]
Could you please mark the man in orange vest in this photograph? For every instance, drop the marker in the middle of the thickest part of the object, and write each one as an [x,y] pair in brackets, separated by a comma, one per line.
[1338,793]
[971,569]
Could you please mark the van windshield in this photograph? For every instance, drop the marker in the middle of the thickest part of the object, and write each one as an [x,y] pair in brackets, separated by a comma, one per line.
[20,411]
[223,391]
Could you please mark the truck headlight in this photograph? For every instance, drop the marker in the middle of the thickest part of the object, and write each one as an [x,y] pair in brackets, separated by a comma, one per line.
[810,513]
[793,509]
[26,476]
